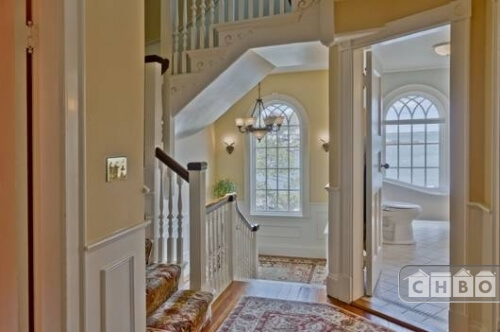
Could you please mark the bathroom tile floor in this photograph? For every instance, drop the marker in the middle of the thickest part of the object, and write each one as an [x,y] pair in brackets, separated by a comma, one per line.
[431,248]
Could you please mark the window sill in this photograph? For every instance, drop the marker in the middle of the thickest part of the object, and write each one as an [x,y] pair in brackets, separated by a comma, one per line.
[435,192]
[278,215]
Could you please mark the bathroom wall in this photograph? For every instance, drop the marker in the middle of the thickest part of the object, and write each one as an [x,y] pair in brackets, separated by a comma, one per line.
[434,206]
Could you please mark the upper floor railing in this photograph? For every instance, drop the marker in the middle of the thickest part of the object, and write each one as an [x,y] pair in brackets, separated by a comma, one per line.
[195,23]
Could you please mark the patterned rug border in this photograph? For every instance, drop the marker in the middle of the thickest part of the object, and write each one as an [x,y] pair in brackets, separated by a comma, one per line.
[303,260]
[230,319]
[313,269]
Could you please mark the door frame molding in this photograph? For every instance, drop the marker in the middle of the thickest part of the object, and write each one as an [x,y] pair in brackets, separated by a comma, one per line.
[75,165]
[344,281]
[495,139]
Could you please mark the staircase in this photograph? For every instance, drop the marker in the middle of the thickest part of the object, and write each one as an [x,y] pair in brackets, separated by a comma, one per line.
[222,48]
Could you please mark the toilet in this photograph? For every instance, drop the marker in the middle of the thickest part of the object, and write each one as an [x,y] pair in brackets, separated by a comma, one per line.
[397,222]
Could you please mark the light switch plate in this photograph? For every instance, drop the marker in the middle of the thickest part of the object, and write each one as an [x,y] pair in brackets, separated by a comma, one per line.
[116,169]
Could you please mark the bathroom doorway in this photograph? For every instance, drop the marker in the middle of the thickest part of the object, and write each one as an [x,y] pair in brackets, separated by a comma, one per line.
[406,100]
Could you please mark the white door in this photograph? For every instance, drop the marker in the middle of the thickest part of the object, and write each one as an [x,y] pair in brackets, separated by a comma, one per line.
[374,172]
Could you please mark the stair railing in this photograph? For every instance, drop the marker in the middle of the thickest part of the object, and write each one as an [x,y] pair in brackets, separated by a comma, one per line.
[231,244]
[195,28]
[222,242]
[169,241]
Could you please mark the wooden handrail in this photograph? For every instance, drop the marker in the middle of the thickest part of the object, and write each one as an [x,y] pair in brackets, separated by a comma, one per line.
[214,205]
[172,164]
[250,226]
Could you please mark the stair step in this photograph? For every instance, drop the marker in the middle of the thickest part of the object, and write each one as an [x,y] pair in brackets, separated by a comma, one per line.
[162,281]
[186,310]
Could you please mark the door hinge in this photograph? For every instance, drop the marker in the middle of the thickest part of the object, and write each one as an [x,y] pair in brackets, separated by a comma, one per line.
[365,80]
[31,36]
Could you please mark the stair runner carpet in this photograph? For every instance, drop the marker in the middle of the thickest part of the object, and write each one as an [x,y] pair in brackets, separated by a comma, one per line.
[255,314]
[292,269]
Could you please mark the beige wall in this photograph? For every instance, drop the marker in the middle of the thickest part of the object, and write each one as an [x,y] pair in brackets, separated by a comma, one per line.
[196,148]
[365,14]
[310,89]
[8,234]
[355,15]
[114,105]
[152,14]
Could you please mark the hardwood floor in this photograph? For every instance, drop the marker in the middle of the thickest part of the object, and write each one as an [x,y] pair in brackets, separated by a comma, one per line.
[286,291]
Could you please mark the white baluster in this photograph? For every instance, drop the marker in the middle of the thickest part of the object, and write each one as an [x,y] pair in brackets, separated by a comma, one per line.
[175,56]
[230,10]
[251,14]
[180,217]
[282,7]
[211,31]
[203,15]
[241,10]
[218,244]
[261,8]
[213,250]
[170,216]
[222,11]
[231,240]
[271,7]
[161,219]
[184,59]
[194,26]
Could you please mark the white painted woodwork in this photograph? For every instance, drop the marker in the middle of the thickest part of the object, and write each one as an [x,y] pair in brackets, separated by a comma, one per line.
[457,13]
[180,217]
[152,138]
[374,172]
[170,215]
[198,260]
[115,282]
[296,236]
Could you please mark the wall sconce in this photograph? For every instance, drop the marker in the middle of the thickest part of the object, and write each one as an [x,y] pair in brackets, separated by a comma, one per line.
[325,144]
[229,147]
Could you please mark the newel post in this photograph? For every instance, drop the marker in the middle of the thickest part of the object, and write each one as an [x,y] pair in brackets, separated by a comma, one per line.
[197,225]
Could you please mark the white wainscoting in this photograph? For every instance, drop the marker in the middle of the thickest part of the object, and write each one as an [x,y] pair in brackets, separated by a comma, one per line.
[115,295]
[292,236]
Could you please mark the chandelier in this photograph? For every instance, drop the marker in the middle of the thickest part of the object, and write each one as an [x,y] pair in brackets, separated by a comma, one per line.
[260,123]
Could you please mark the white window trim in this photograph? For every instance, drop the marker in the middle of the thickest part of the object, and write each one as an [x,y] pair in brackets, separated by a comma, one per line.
[304,159]
[443,105]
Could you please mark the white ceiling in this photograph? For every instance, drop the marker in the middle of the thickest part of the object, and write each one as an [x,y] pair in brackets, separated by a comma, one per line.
[295,57]
[413,52]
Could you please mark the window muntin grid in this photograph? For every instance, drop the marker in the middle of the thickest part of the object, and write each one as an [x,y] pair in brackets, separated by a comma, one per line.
[277,164]
[413,131]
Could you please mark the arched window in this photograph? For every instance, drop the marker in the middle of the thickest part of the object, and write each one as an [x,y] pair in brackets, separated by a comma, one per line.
[276,181]
[415,135]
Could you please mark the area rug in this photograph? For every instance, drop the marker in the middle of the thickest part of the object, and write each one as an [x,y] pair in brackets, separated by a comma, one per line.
[255,314]
[292,269]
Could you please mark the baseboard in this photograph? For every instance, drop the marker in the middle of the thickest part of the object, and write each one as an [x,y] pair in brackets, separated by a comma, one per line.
[458,320]
[293,251]
[339,287]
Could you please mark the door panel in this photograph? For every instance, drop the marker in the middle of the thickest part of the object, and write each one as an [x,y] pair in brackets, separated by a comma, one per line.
[374,173]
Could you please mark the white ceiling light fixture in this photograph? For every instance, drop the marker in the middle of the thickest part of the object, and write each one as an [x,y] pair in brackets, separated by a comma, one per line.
[442,49]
